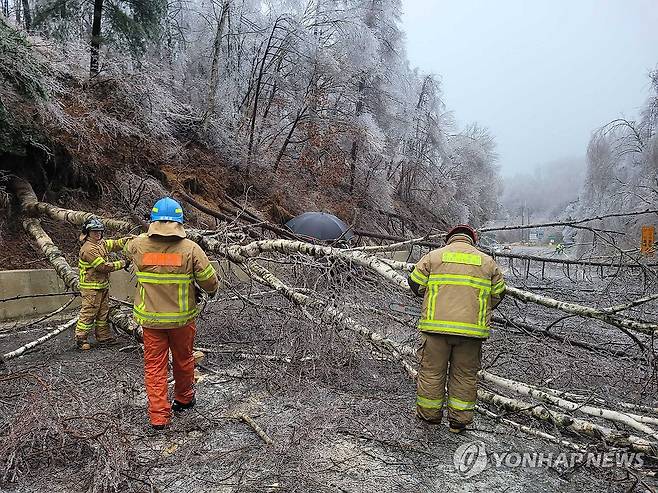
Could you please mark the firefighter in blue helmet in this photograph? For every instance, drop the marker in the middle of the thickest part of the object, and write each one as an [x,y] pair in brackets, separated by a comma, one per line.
[171,272]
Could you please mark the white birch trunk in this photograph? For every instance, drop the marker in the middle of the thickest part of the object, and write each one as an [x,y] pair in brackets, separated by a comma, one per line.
[534,392]
[30,345]
[575,425]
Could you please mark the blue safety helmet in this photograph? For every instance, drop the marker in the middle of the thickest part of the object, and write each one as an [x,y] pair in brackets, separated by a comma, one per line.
[167,209]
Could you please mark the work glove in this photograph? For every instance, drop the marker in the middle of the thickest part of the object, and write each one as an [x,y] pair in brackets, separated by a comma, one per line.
[126,267]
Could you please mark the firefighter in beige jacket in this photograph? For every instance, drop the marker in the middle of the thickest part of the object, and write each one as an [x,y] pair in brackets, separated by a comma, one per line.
[460,286]
[170,269]
[94,282]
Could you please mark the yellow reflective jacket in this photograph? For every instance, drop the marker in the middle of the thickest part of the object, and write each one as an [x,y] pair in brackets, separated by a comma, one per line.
[168,268]
[94,268]
[461,285]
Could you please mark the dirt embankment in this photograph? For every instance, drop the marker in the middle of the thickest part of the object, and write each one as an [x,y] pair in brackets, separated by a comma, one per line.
[111,145]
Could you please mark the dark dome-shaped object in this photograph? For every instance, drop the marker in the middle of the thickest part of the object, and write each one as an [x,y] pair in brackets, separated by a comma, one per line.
[321,226]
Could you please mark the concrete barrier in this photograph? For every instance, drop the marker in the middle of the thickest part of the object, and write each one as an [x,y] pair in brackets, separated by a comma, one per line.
[31,282]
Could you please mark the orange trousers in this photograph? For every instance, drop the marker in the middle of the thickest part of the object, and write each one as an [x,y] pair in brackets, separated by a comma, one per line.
[157,343]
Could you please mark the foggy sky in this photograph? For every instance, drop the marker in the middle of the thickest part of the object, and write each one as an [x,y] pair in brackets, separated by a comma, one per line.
[540,74]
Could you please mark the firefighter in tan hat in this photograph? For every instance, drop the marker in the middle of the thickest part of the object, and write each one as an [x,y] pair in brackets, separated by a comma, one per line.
[460,286]
[95,282]
[171,270]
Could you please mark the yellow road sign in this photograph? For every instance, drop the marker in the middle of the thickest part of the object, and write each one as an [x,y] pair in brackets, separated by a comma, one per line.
[648,236]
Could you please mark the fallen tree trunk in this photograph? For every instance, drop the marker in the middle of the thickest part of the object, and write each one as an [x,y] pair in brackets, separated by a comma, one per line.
[287,246]
[63,269]
[582,311]
[538,394]
[52,253]
[639,407]
[31,205]
[211,212]
[576,425]
[529,430]
[582,399]
[245,217]
[240,209]
[30,345]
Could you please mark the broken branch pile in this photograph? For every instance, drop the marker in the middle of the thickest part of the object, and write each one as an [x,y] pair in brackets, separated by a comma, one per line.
[557,410]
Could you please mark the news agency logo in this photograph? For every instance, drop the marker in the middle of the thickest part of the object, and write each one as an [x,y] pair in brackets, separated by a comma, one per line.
[471,459]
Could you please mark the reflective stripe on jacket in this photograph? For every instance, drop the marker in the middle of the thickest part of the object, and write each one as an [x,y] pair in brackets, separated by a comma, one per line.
[461,286]
[167,268]
[94,268]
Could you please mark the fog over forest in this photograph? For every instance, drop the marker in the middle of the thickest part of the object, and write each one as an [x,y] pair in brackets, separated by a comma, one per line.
[545,192]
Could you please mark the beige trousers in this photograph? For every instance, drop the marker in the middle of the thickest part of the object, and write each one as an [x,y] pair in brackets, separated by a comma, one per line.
[454,360]
[94,311]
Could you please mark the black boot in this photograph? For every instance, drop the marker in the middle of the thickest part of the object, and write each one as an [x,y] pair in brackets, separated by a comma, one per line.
[179,406]
[456,427]
[109,341]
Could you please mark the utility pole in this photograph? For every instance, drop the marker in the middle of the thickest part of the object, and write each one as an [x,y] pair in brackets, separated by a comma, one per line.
[522,223]
[526,232]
